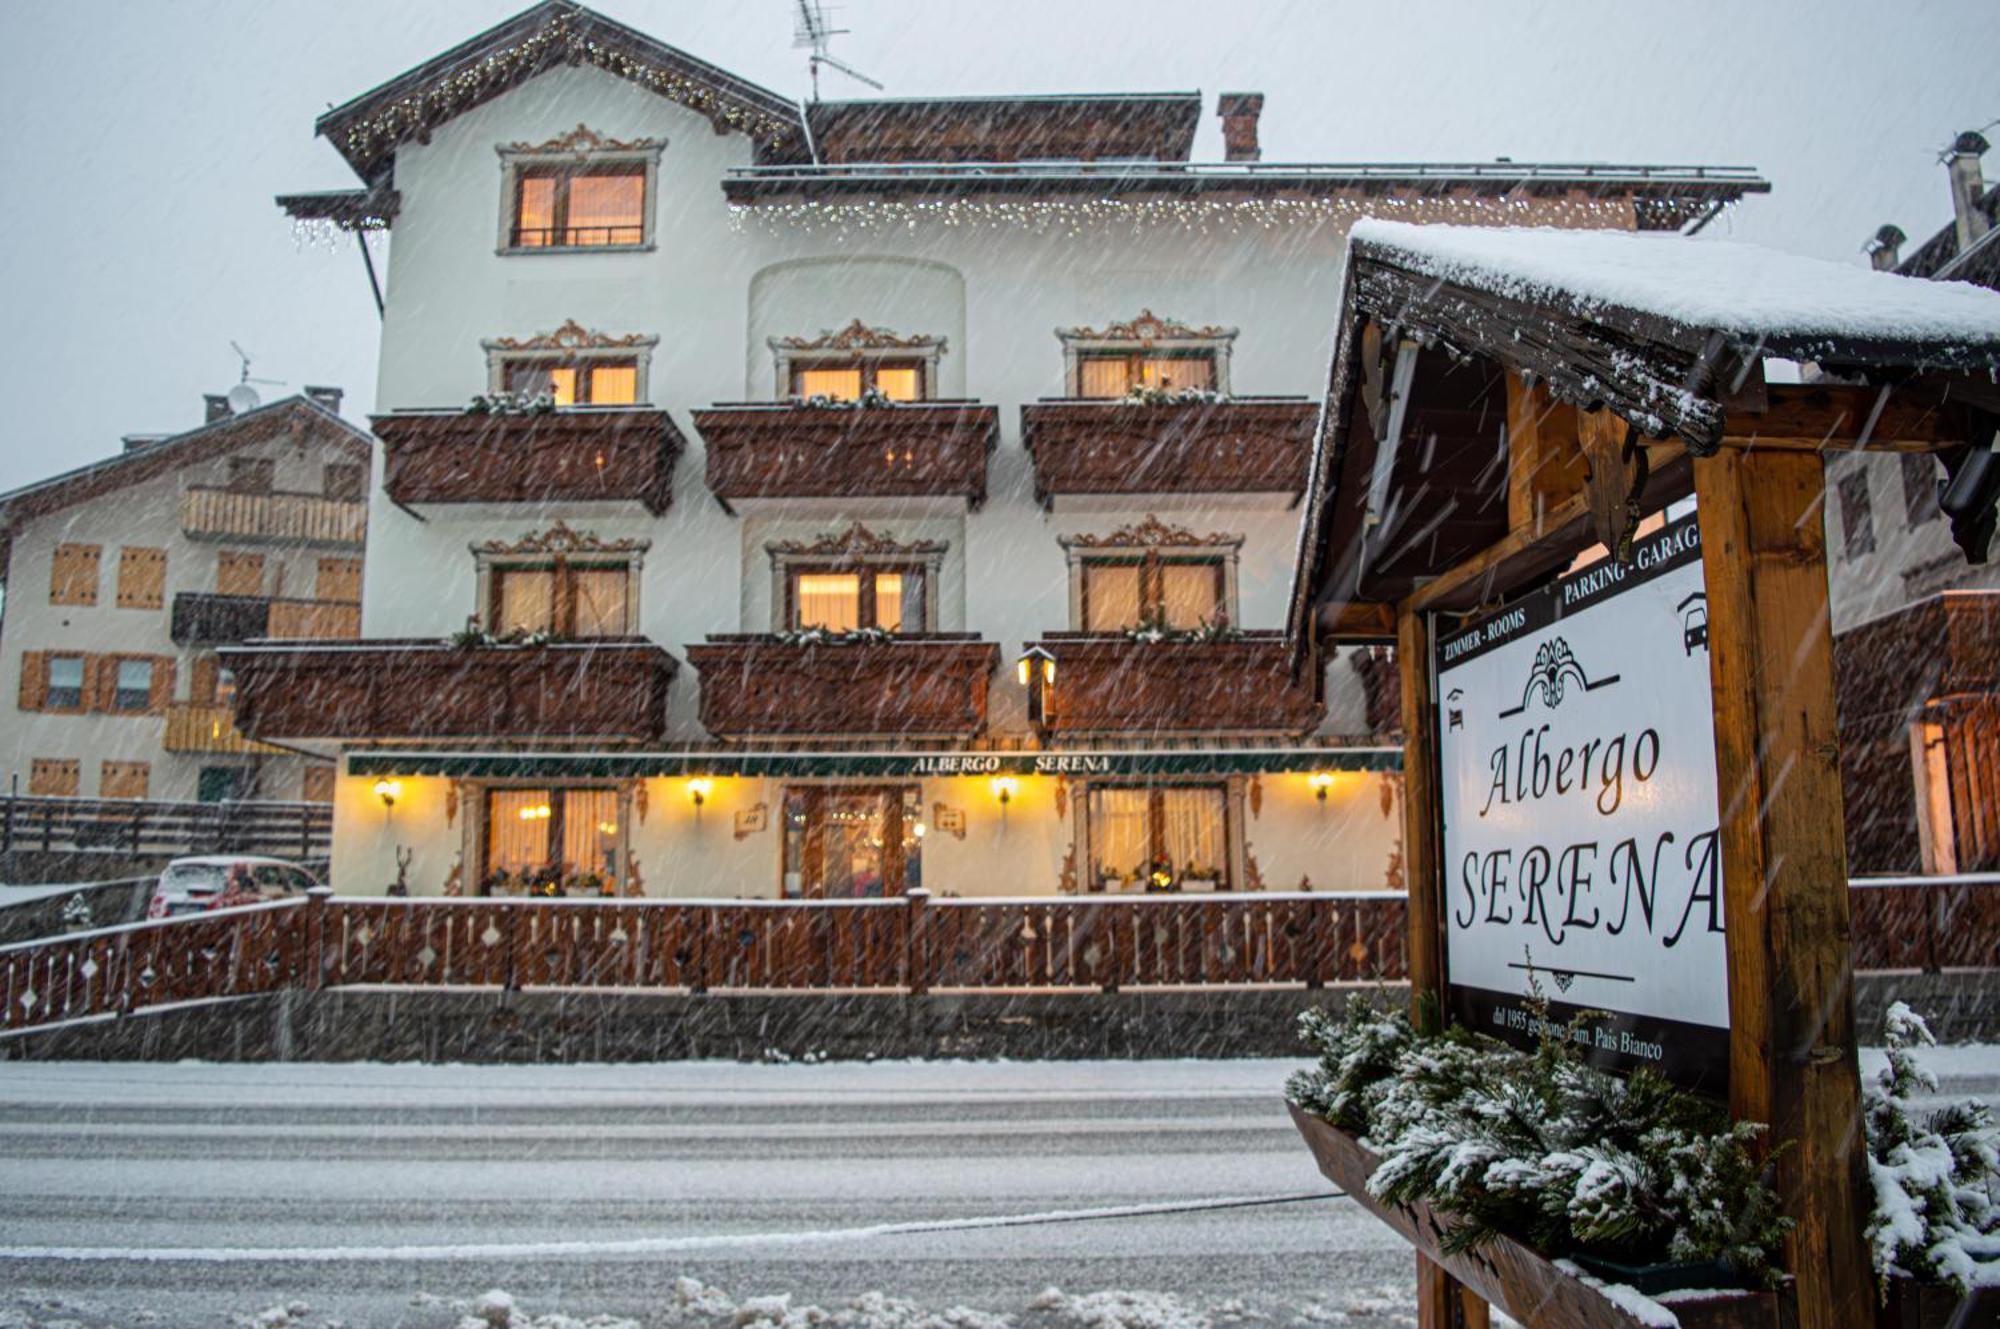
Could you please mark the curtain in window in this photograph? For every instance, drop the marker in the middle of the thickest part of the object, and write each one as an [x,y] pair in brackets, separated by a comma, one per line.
[536,213]
[839,384]
[1120,838]
[607,209]
[517,829]
[830,600]
[1191,832]
[889,601]
[527,599]
[590,831]
[910,612]
[614,384]
[600,601]
[1110,596]
[135,685]
[900,382]
[1190,593]
[1102,376]
[1174,372]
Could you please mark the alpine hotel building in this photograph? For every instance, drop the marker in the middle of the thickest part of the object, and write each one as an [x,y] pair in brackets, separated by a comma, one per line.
[832,500]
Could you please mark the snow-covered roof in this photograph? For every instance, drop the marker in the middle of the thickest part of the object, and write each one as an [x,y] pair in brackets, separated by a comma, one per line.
[1737,288]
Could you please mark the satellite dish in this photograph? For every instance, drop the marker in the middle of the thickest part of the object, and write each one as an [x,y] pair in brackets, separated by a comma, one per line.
[243,398]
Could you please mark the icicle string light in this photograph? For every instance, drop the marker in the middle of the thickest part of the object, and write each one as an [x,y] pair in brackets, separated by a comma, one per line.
[327,235]
[1204,216]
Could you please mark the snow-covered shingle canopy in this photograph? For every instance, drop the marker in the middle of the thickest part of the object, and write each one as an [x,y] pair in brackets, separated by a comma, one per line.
[1736,288]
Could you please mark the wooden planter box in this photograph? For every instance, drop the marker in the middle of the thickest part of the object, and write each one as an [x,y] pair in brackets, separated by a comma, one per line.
[614,687]
[784,450]
[912,687]
[575,455]
[1244,445]
[1114,685]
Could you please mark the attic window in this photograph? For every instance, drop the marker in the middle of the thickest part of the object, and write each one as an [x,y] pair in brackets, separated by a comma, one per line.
[579,191]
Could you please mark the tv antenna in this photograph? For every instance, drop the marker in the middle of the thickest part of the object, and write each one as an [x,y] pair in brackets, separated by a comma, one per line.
[815,32]
[243,397]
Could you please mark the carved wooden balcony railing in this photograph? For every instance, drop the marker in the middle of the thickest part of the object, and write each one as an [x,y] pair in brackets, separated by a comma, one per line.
[575,455]
[1238,445]
[910,687]
[786,450]
[1115,685]
[203,619]
[209,513]
[608,688]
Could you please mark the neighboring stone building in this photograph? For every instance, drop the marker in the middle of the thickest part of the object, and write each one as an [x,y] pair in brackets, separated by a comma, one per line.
[916,499]
[1916,625]
[124,575]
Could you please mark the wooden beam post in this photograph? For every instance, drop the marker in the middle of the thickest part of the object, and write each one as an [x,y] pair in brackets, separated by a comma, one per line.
[1784,863]
[1544,464]
[1442,1302]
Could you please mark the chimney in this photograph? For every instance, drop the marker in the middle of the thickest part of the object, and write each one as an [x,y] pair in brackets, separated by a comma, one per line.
[215,407]
[1239,112]
[134,442]
[1968,185]
[1885,251]
[327,397]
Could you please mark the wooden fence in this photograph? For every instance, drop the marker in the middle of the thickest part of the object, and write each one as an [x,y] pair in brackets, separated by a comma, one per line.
[140,827]
[912,944]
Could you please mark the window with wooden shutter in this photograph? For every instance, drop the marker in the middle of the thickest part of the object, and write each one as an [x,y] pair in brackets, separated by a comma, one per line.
[201,683]
[55,777]
[339,580]
[73,575]
[316,785]
[142,578]
[346,480]
[123,779]
[252,475]
[238,573]
[65,682]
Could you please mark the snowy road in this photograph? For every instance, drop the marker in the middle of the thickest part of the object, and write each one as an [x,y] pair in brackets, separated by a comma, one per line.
[266,1183]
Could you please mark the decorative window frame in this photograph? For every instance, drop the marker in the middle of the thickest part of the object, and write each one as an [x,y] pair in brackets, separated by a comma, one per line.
[1152,538]
[1235,824]
[572,343]
[472,842]
[562,546]
[856,341]
[580,147]
[1147,332]
[856,547]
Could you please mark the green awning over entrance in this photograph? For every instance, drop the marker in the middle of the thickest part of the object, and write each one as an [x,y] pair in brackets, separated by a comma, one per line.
[870,765]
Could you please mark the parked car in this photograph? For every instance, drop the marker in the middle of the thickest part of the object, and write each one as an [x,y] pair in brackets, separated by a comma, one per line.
[221,881]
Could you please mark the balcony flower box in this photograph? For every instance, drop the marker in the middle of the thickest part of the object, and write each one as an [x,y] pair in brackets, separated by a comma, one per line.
[1224,445]
[1241,684]
[585,454]
[890,450]
[907,687]
[603,688]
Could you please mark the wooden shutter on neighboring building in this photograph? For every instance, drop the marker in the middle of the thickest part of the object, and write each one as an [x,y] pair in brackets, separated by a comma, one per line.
[55,777]
[163,685]
[316,786]
[339,580]
[239,573]
[73,575]
[34,680]
[123,779]
[142,578]
[100,682]
[202,681]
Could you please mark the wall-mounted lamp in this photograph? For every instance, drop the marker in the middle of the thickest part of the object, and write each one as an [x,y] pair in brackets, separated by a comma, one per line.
[1321,782]
[1004,789]
[698,791]
[1037,671]
[388,791]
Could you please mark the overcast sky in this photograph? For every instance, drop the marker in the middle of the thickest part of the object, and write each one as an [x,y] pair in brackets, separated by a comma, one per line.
[146,138]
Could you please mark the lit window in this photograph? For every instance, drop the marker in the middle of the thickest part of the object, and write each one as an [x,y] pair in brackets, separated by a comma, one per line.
[134,690]
[562,599]
[1124,593]
[845,380]
[1158,838]
[1114,375]
[843,842]
[594,206]
[843,599]
[566,834]
[590,382]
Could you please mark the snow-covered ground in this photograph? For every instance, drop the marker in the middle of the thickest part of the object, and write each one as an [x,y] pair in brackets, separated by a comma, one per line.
[932,1195]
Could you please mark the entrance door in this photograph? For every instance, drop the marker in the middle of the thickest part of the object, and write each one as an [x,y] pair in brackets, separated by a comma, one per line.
[217,784]
[852,841]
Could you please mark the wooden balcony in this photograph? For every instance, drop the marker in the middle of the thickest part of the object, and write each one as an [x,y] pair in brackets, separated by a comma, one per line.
[1114,685]
[785,450]
[576,455]
[1239,445]
[210,729]
[201,619]
[911,687]
[608,688]
[209,513]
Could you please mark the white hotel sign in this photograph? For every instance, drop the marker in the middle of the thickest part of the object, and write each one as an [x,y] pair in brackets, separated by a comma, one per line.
[1576,743]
